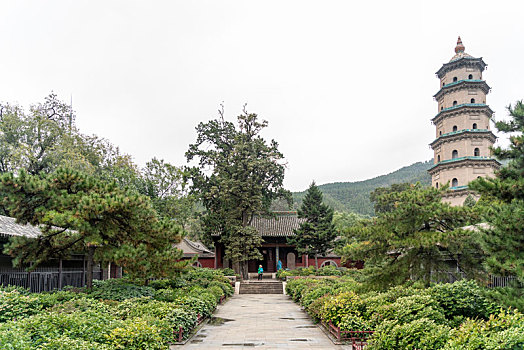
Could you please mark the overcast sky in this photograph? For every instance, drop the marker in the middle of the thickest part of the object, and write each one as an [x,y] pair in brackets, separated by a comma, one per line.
[346,86]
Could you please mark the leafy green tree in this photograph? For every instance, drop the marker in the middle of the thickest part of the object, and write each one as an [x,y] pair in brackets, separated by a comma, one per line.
[317,234]
[504,239]
[344,220]
[78,213]
[237,177]
[45,138]
[167,187]
[414,239]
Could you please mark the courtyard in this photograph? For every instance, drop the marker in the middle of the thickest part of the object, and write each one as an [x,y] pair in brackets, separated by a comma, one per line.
[266,321]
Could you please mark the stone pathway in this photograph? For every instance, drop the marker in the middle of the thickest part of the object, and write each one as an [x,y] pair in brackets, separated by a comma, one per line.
[265,321]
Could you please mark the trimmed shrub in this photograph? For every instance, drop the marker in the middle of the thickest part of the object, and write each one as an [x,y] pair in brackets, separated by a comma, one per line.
[66,343]
[420,334]
[118,289]
[328,271]
[136,333]
[86,325]
[167,294]
[504,331]
[14,337]
[341,306]
[15,305]
[227,289]
[313,294]
[462,299]
[408,309]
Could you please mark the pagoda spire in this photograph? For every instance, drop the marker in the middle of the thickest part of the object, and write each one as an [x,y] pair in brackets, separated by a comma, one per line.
[460,47]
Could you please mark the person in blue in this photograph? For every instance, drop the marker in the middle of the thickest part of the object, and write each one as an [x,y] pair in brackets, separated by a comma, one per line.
[279,265]
[260,272]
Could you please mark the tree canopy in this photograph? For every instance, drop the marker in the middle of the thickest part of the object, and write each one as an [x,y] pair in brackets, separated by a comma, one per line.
[77,212]
[238,176]
[415,238]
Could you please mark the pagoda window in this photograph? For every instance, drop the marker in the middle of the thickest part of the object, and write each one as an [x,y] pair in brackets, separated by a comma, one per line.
[455,128]
[470,76]
[454,182]
[474,126]
[472,100]
[454,154]
[476,152]
[440,133]
[455,103]
[455,79]
[438,158]
[441,108]
[436,184]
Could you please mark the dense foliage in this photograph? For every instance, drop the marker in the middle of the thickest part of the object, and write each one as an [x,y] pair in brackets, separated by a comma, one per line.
[503,240]
[238,175]
[316,235]
[77,212]
[461,315]
[354,196]
[414,238]
[115,314]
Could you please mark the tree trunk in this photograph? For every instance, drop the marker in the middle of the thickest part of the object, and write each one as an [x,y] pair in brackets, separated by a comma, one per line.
[245,273]
[316,261]
[90,263]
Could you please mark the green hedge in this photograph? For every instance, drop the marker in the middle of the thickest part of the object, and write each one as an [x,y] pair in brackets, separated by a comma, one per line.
[114,314]
[461,315]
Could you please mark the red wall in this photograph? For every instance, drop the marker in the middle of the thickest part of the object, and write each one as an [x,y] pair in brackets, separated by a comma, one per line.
[207,262]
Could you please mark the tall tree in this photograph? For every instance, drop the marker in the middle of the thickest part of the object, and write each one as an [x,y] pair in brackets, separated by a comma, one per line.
[238,176]
[167,187]
[415,238]
[504,239]
[317,234]
[78,213]
[45,138]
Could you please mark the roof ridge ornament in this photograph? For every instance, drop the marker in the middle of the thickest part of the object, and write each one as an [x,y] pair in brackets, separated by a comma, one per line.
[460,47]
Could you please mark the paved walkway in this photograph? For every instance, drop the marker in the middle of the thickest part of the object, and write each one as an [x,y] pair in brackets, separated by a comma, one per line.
[265,321]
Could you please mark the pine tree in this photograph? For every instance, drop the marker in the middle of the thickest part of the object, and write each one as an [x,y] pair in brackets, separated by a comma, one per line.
[504,240]
[78,213]
[317,234]
[414,239]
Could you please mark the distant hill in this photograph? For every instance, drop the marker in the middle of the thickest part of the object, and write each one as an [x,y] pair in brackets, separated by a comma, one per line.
[354,196]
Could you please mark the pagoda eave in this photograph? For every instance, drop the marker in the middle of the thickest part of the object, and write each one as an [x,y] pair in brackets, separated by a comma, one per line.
[463,84]
[467,107]
[463,134]
[464,61]
[464,162]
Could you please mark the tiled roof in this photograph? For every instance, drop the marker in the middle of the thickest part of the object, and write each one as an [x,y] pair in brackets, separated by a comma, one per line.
[282,225]
[191,248]
[9,227]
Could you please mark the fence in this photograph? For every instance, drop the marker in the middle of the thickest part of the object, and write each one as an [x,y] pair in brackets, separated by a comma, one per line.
[357,339]
[492,281]
[45,279]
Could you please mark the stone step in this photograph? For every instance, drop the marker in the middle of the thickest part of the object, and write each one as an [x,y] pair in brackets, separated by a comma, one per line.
[261,287]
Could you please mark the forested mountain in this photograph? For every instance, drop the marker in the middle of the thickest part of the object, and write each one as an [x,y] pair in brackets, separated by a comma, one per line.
[354,196]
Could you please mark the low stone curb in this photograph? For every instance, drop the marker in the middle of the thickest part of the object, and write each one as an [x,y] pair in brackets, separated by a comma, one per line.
[195,330]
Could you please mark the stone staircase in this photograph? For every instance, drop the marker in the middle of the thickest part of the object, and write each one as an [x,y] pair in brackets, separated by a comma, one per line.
[261,287]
